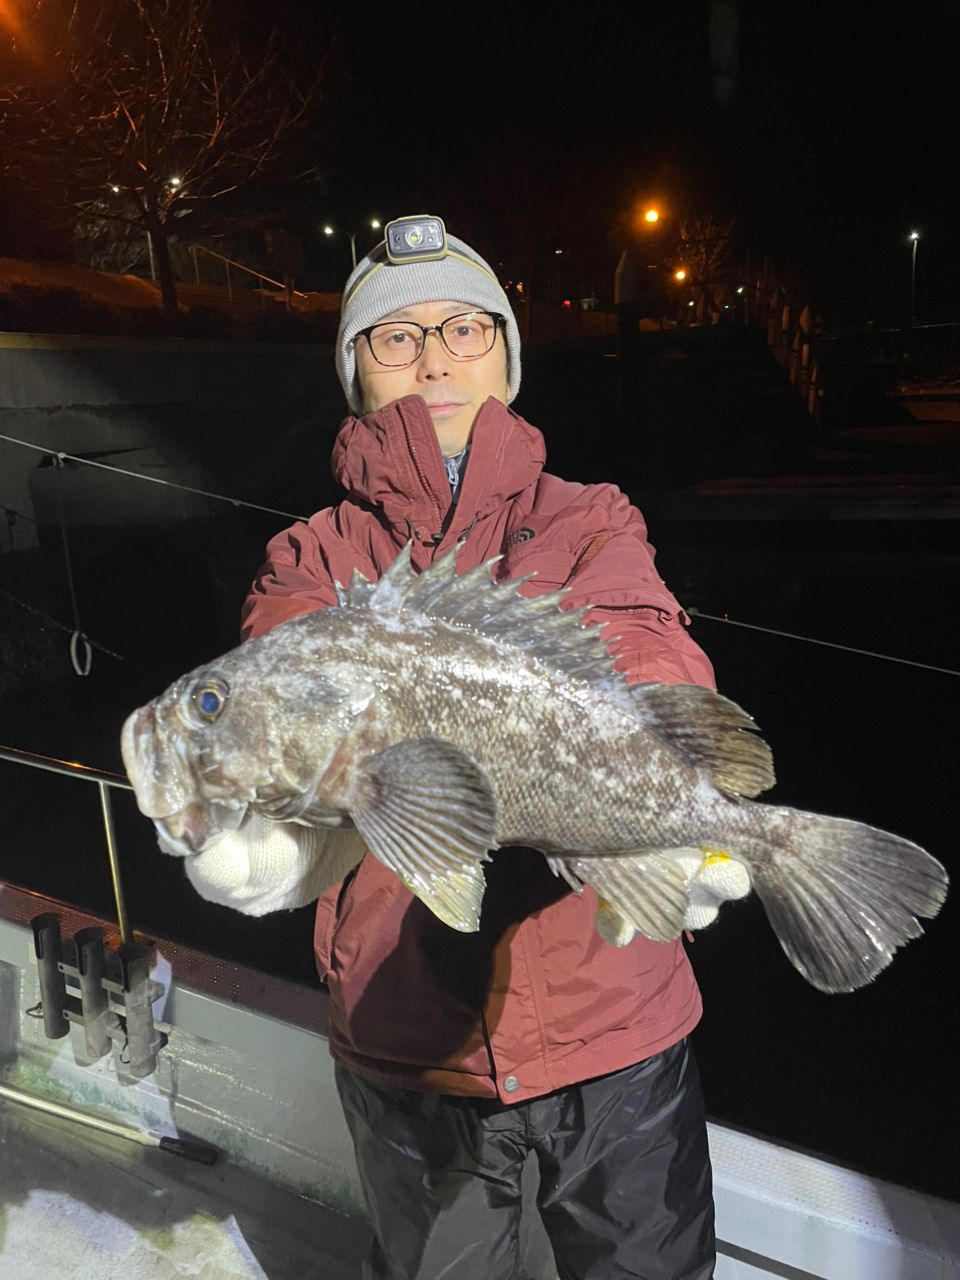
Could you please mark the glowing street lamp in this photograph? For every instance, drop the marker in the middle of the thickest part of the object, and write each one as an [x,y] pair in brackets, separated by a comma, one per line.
[680,275]
[651,215]
[328,230]
[914,238]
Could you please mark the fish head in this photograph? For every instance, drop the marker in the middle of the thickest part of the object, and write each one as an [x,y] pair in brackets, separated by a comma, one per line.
[234,736]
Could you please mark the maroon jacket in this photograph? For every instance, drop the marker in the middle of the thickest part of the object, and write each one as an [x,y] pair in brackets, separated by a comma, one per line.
[534,1000]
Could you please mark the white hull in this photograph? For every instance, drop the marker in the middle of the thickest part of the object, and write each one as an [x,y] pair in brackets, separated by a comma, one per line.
[246,1068]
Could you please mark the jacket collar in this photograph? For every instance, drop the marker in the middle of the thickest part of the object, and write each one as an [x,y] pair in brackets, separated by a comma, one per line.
[391,459]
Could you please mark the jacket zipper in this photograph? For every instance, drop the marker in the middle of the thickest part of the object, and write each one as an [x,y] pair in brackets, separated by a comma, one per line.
[421,476]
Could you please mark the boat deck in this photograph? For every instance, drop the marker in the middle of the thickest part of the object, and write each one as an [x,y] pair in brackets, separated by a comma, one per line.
[245,1069]
[76,1204]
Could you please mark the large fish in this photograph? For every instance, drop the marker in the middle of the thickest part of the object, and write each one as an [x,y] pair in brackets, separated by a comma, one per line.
[445,716]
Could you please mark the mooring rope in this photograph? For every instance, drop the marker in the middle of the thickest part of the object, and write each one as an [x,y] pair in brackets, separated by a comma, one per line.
[828,644]
[60,457]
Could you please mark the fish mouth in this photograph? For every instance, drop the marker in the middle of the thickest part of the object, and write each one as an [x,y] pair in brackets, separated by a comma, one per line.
[161,782]
[166,788]
[190,831]
[192,799]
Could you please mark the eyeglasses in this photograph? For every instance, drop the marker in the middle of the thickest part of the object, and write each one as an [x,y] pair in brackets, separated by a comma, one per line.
[398,343]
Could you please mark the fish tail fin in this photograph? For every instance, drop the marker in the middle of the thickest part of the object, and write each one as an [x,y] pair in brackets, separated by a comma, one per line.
[842,896]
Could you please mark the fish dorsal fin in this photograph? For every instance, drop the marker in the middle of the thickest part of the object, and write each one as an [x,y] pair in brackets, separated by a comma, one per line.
[385,594]
[474,601]
[428,813]
[712,732]
[389,592]
[708,730]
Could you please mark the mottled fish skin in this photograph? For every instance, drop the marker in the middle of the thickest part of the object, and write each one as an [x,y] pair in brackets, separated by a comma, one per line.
[446,716]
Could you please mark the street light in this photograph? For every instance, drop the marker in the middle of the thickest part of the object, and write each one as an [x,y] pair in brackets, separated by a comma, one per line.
[373,224]
[651,215]
[680,275]
[914,238]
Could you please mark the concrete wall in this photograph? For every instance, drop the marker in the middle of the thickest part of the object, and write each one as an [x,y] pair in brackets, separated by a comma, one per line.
[211,415]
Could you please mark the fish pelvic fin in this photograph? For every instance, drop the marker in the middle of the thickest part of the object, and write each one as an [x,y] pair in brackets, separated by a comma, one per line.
[612,926]
[712,732]
[428,813]
[842,896]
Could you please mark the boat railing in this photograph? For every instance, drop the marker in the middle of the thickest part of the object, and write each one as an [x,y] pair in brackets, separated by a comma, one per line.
[104,781]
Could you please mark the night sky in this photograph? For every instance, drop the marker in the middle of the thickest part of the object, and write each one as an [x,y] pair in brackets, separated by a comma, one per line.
[828,131]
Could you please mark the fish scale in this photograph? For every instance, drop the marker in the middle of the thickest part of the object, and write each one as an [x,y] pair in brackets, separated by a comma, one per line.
[445,716]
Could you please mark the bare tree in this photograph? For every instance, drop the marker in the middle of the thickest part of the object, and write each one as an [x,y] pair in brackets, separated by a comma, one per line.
[705,244]
[156,114]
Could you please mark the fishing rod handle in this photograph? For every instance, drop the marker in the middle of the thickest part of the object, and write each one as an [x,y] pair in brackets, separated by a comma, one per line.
[197,1151]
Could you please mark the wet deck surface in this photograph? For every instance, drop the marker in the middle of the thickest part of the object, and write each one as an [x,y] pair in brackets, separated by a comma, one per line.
[76,1204]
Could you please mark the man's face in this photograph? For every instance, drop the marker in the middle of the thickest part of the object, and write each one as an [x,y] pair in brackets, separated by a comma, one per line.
[453,389]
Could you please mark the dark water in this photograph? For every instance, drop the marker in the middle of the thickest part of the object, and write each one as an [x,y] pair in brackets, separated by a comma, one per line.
[867,1078]
[864,1077]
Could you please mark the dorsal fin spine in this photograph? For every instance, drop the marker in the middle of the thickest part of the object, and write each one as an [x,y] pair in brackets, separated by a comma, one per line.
[535,625]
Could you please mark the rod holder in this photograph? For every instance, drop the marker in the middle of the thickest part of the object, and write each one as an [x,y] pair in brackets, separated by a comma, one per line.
[143,1040]
[48,948]
[92,1016]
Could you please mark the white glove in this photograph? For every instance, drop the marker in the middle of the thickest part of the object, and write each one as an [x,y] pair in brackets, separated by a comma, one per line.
[273,866]
[713,877]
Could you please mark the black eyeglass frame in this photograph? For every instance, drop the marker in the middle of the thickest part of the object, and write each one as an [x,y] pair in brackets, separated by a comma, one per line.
[499,322]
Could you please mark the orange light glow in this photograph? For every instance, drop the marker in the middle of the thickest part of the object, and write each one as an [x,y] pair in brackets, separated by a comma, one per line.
[680,274]
[651,215]
[11,18]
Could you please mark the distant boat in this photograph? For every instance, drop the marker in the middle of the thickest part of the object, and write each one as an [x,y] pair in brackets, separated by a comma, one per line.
[930,400]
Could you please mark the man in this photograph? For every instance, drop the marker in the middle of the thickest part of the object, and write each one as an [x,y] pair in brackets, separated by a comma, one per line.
[458,1054]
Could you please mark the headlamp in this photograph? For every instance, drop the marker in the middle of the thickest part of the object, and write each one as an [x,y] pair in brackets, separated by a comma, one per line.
[417,239]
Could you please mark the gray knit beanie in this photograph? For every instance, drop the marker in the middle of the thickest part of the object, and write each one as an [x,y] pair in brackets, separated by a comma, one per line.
[377,287]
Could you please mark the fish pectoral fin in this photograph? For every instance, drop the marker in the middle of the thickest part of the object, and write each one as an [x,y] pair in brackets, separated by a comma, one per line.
[645,891]
[428,813]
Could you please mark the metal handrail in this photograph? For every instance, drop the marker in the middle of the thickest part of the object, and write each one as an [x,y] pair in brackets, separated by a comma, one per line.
[231,262]
[104,780]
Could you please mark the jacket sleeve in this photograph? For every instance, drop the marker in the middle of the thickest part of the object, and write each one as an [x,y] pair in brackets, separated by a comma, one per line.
[303,564]
[615,578]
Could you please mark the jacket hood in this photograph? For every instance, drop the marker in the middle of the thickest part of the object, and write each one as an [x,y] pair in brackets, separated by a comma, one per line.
[391,459]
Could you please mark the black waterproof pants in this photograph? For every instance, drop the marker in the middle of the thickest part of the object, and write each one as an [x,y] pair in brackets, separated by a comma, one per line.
[625,1182]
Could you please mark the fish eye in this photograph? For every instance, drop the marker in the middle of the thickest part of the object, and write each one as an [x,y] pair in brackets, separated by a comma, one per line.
[210,697]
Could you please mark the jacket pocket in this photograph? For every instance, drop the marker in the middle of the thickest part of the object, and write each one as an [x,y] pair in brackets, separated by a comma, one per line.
[551,569]
[325,924]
